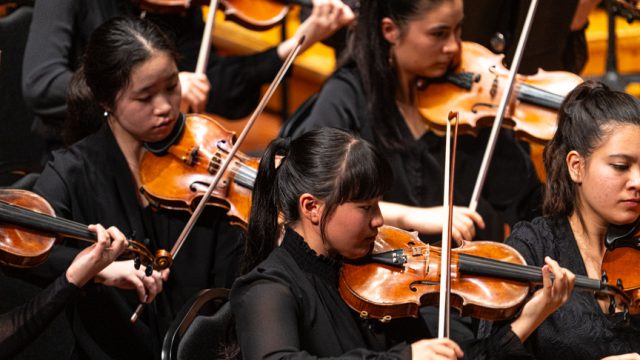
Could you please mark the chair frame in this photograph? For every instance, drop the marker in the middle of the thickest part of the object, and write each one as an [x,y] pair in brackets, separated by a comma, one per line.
[185,318]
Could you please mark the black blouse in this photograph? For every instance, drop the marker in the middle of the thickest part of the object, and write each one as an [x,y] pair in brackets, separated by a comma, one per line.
[23,324]
[91,183]
[511,188]
[578,329]
[289,306]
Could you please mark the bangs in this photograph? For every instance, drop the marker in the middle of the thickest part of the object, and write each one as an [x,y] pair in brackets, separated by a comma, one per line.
[366,174]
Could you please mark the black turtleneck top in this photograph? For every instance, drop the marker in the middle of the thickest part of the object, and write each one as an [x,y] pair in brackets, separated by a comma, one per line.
[289,306]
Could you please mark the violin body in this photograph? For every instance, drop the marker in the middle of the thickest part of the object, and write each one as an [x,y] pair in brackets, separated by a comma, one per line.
[386,292]
[178,179]
[474,90]
[29,228]
[20,247]
[252,14]
[621,264]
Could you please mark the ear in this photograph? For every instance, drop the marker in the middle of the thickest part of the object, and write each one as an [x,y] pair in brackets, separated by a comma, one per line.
[390,30]
[575,165]
[310,208]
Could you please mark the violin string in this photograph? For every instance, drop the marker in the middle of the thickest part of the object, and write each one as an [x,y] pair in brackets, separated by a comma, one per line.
[245,174]
[11,211]
[529,272]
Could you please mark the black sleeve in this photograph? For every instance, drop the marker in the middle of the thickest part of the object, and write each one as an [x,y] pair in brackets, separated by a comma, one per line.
[236,82]
[22,325]
[501,344]
[336,106]
[46,68]
[265,302]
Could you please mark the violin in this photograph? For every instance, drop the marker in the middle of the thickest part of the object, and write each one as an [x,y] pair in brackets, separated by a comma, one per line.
[252,14]
[621,260]
[176,174]
[474,88]
[29,228]
[489,280]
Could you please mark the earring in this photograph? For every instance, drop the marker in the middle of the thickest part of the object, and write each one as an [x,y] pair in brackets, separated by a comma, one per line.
[105,114]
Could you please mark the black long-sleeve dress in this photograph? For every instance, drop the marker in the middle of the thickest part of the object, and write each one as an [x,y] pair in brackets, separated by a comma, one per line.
[22,325]
[91,183]
[60,31]
[578,329]
[289,307]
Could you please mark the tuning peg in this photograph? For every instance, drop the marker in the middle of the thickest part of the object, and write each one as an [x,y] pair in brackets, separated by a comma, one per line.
[137,262]
[612,305]
[148,270]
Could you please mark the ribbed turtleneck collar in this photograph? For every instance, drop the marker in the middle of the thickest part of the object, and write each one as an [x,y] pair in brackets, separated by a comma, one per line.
[322,266]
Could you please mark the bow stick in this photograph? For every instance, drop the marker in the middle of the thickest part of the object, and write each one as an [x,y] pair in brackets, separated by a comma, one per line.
[506,95]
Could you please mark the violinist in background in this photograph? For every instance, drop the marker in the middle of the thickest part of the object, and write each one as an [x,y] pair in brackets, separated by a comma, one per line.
[593,181]
[60,32]
[128,88]
[327,187]
[19,327]
[374,94]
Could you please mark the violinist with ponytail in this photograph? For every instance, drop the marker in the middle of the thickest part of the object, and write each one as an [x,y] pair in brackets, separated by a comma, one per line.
[327,189]
[593,181]
[394,44]
[126,96]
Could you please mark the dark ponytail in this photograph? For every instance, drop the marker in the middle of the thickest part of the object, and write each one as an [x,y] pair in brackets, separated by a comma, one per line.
[264,209]
[114,49]
[582,119]
[331,164]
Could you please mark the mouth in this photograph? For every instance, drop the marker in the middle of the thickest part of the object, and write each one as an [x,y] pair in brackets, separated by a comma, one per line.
[632,202]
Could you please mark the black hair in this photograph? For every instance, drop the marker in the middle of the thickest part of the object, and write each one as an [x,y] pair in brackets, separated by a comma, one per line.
[370,52]
[114,49]
[582,123]
[330,164]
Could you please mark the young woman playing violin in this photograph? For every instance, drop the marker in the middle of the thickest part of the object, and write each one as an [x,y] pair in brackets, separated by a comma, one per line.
[327,188]
[60,32]
[593,181]
[22,325]
[395,44]
[128,88]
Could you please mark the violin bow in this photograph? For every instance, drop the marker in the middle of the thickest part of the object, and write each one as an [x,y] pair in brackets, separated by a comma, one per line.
[225,164]
[506,95]
[445,255]
[205,45]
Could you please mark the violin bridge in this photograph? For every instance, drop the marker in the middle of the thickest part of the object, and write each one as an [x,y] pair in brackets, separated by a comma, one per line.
[191,158]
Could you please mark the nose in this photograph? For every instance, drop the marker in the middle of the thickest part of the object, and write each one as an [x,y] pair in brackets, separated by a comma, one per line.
[634,179]
[452,46]
[162,105]
[377,220]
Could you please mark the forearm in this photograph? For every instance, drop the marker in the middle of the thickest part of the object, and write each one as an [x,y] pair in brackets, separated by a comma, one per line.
[22,325]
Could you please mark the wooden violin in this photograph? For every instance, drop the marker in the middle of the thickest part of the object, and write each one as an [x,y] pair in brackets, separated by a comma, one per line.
[176,175]
[28,231]
[621,260]
[252,14]
[489,280]
[474,88]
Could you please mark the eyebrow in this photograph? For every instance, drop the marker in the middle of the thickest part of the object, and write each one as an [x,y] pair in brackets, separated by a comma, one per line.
[146,88]
[623,156]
